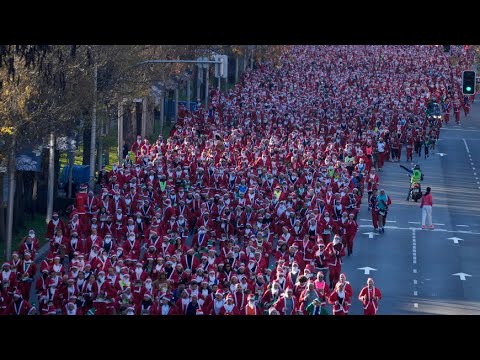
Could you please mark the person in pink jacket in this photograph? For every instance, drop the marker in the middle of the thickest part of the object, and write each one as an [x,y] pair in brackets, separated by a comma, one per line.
[426,206]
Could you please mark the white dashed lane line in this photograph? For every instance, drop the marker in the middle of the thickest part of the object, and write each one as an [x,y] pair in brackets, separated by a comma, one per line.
[414,260]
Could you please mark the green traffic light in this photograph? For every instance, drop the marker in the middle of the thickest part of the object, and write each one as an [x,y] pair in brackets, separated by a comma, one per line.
[468,88]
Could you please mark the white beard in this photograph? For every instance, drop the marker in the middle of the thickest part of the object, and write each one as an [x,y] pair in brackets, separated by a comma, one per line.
[73,311]
[6,275]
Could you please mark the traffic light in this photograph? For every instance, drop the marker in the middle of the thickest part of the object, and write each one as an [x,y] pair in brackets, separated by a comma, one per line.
[468,82]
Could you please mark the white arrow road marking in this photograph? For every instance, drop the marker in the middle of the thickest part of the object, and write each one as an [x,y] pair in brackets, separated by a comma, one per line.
[370,234]
[455,239]
[462,276]
[367,269]
[442,154]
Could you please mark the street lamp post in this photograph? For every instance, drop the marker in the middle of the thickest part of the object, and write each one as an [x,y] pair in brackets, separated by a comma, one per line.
[94,129]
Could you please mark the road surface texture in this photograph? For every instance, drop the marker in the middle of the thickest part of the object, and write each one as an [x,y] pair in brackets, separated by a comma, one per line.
[424,271]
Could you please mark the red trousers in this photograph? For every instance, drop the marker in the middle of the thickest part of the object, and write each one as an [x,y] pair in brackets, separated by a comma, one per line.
[326,238]
[349,241]
[381,159]
[457,116]
[375,219]
[25,287]
[334,273]
[409,153]
[446,117]
[370,310]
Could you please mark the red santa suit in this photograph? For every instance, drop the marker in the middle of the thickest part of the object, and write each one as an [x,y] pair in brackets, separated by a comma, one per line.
[369,298]
[19,307]
[280,305]
[74,311]
[340,301]
[229,309]
[351,228]
[80,206]
[53,226]
[335,252]
[26,271]
[251,310]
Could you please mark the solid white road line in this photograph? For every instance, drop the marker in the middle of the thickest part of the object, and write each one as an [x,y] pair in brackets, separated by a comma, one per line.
[420,229]
[466,146]
[445,128]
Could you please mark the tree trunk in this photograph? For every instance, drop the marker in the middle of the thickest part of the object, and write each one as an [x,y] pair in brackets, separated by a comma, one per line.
[2,210]
[71,161]
[237,61]
[11,195]
[35,192]
[87,137]
[100,155]
[19,216]
[51,177]
[56,175]
[28,193]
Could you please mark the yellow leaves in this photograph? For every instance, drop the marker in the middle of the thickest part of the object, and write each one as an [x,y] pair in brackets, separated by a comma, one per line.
[6,130]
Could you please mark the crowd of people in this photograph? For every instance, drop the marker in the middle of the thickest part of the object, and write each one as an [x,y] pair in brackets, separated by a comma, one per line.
[250,206]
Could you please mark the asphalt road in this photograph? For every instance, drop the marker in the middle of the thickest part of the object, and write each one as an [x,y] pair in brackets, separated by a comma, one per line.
[421,271]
